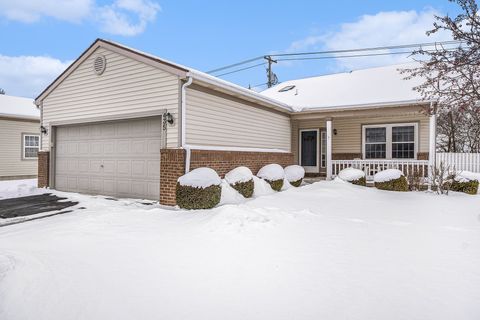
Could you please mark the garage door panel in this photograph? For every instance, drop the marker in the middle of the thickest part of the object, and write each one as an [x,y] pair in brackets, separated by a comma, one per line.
[95,166]
[109,167]
[123,167]
[118,158]
[83,166]
[83,183]
[123,147]
[139,168]
[153,169]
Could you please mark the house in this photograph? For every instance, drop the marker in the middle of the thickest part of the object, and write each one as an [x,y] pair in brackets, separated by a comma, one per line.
[19,137]
[125,123]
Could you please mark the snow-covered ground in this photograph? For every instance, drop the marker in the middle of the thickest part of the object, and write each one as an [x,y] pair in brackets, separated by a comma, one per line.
[329,250]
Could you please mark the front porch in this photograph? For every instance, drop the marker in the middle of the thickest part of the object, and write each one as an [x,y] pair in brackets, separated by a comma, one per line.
[370,140]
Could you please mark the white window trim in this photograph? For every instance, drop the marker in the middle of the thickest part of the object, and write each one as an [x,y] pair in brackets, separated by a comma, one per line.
[389,127]
[24,136]
[310,169]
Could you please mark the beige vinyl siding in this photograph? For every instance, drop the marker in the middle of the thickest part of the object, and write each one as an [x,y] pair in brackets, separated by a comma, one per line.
[349,130]
[213,120]
[126,88]
[11,162]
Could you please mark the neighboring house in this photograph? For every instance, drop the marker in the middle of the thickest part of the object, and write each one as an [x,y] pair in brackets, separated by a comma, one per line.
[125,123]
[19,137]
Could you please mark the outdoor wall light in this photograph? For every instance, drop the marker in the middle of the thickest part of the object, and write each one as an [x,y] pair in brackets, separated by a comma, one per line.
[168,117]
[335,131]
[43,130]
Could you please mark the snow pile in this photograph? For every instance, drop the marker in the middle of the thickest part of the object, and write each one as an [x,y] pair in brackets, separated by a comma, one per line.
[230,195]
[286,184]
[294,173]
[240,174]
[262,188]
[327,242]
[200,178]
[19,188]
[351,174]
[387,175]
[271,172]
[467,176]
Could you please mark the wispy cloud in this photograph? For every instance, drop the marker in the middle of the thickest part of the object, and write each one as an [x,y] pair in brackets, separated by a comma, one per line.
[27,76]
[121,17]
[381,29]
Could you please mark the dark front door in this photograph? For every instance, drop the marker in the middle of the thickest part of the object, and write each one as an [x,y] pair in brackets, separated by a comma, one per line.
[309,150]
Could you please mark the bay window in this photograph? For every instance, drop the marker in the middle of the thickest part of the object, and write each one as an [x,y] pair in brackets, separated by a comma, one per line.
[390,141]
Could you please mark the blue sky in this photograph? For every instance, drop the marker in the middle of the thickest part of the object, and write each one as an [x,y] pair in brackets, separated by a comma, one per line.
[40,38]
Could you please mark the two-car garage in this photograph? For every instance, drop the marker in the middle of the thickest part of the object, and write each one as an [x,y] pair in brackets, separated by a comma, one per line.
[117,158]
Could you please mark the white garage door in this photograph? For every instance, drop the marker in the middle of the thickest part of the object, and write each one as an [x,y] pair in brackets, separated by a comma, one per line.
[120,158]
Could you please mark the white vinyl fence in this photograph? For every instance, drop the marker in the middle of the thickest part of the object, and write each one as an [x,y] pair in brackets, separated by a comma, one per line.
[460,161]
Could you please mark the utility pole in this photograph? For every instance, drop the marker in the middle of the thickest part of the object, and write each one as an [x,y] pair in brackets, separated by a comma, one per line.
[271,77]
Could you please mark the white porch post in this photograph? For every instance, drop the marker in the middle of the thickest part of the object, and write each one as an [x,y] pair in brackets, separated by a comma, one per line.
[329,149]
[432,146]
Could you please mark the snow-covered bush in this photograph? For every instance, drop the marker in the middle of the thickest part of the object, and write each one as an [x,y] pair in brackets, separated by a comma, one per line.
[391,180]
[294,175]
[354,176]
[273,174]
[241,179]
[466,181]
[199,189]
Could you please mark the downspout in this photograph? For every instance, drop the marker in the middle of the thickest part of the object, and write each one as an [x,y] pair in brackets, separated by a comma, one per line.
[183,111]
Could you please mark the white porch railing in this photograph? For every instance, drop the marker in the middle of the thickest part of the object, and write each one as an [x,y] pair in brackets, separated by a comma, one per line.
[460,161]
[371,167]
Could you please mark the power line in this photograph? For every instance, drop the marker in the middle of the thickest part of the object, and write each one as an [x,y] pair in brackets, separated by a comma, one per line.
[404,46]
[416,45]
[238,70]
[351,56]
[235,64]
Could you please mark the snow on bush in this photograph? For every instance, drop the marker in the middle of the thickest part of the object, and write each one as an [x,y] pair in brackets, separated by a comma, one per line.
[391,180]
[466,176]
[199,189]
[239,174]
[352,175]
[200,178]
[294,174]
[241,179]
[262,188]
[466,181]
[387,175]
[273,174]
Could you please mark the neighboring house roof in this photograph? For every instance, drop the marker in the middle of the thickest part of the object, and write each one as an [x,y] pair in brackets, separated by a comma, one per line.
[183,71]
[381,86]
[18,107]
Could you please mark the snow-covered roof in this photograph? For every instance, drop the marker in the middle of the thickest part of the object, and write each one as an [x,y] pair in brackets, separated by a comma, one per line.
[18,107]
[381,86]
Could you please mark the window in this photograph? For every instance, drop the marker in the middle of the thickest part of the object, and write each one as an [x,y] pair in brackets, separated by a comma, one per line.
[375,143]
[390,141]
[323,149]
[403,142]
[31,144]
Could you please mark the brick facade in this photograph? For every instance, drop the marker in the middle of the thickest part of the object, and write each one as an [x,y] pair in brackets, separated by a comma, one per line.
[172,165]
[43,168]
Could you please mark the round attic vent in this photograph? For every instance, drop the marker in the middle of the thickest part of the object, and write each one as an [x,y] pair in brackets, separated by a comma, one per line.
[99,64]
